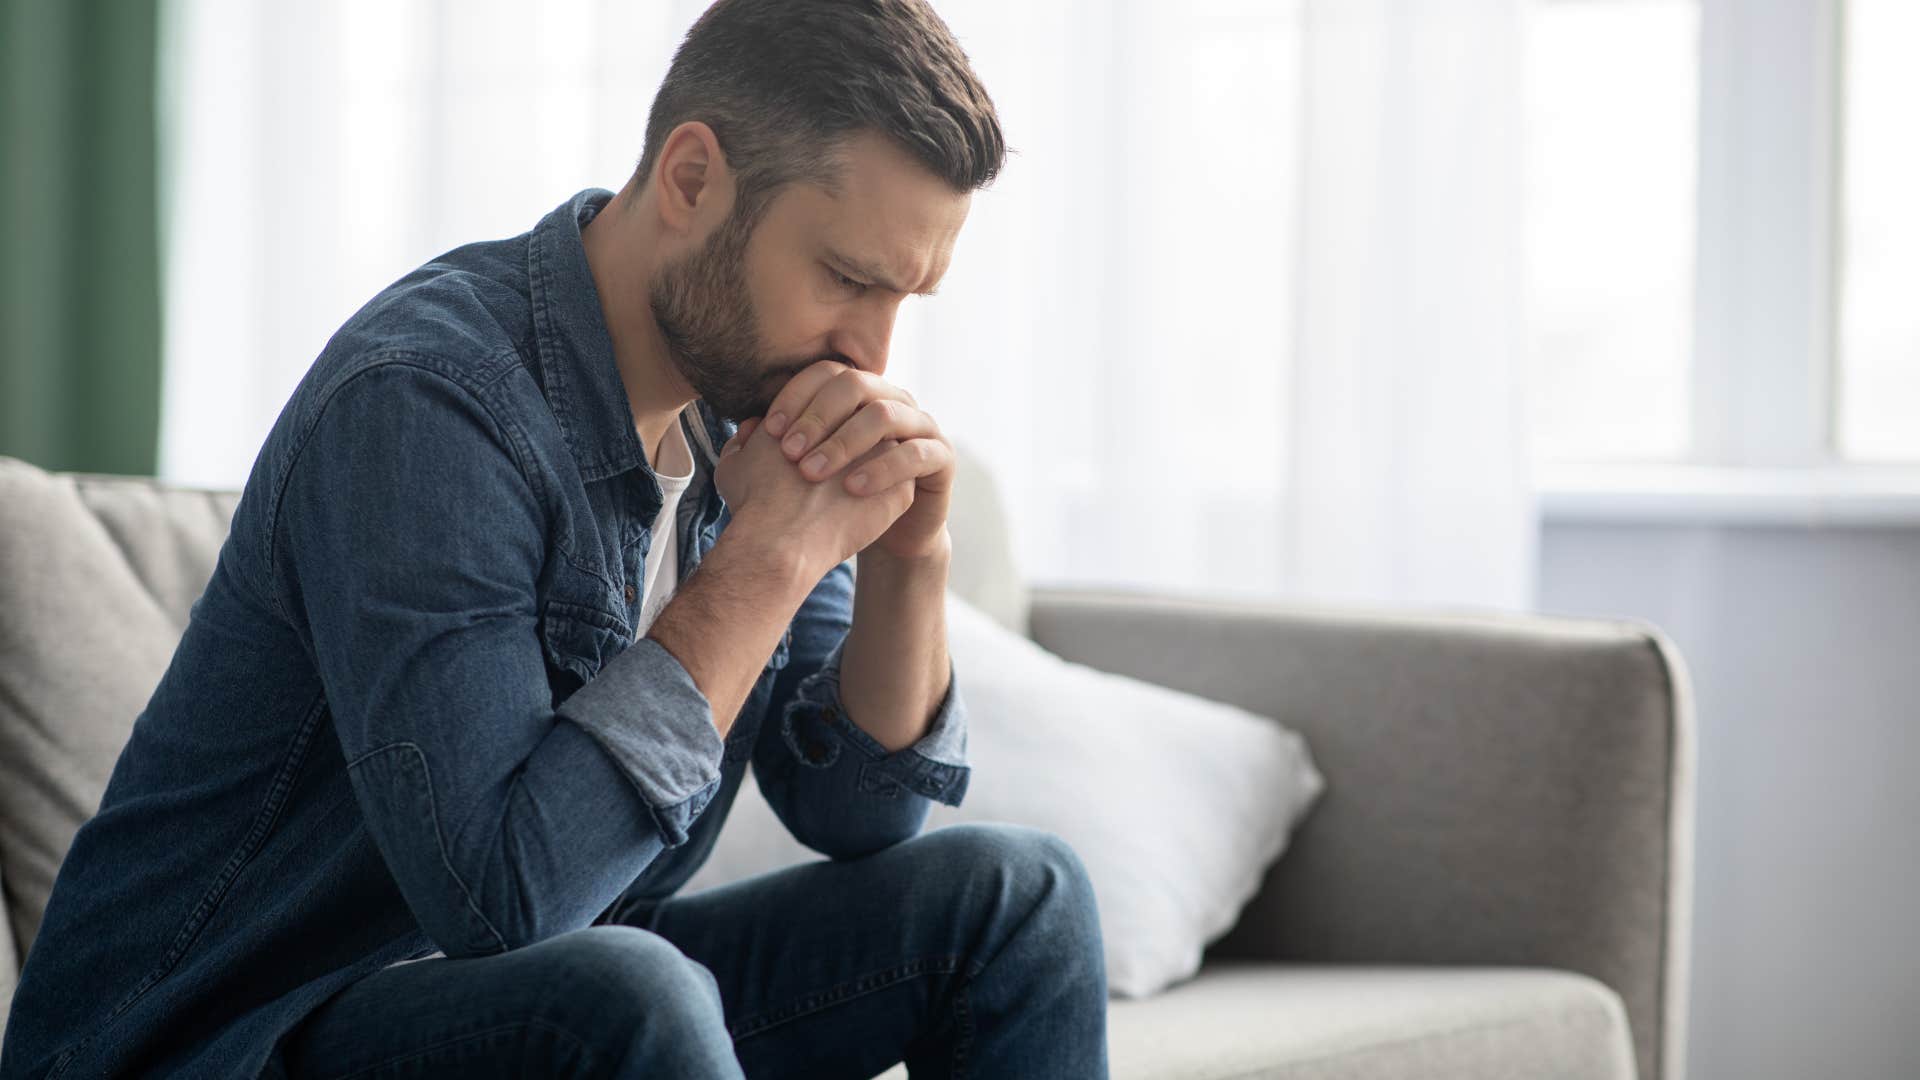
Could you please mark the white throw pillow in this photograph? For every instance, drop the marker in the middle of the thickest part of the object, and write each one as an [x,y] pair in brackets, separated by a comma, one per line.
[1066,748]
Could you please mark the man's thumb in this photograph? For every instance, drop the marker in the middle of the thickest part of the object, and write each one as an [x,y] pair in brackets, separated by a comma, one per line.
[740,436]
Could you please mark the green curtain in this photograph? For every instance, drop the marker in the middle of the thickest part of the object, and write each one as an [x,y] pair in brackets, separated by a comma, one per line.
[79,235]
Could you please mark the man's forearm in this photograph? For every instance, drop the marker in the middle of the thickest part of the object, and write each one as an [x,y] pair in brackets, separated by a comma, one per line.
[893,669]
[726,618]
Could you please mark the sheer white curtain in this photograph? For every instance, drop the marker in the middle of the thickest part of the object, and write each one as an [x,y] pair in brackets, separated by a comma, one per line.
[316,152]
[1410,474]
[1241,315]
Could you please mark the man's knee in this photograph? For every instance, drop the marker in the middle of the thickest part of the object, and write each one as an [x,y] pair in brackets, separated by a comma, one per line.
[1033,864]
[613,963]
[631,995]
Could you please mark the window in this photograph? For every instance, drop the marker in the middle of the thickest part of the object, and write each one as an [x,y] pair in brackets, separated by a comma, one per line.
[1723,244]
[1611,150]
[1879,233]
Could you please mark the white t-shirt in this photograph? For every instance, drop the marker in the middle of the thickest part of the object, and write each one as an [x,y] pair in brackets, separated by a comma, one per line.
[674,470]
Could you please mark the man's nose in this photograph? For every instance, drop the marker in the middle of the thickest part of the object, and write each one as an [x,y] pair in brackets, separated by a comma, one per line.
[866,342]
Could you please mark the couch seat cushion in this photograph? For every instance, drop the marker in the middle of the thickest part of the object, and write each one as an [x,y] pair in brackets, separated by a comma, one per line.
[1242,1020]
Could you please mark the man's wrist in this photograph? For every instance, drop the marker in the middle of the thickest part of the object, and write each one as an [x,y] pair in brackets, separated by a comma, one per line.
[935,560]
[768,558]
[895,667]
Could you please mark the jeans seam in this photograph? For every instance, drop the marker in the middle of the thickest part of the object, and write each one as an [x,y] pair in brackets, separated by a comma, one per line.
[963,1020]
[963,1024]
[581,1046]
[837,994]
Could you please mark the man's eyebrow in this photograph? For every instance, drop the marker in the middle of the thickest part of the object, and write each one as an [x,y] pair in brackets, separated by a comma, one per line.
[874,274]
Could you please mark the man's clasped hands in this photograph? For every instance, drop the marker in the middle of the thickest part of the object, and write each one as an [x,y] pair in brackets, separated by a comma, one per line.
[849,458]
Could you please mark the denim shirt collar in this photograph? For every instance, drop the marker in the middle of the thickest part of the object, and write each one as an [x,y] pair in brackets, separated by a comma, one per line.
[575,353]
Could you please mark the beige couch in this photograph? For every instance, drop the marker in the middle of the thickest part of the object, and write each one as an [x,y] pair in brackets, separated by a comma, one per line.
[1495,884]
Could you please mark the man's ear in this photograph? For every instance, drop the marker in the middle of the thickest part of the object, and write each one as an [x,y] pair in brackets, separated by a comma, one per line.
[693,187]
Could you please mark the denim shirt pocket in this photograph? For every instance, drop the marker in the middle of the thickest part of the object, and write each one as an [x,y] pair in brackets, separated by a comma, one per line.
[578,628]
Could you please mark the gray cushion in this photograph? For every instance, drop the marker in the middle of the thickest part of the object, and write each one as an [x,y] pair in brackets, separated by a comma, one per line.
[9,958]
[1243,1020]
[97,575]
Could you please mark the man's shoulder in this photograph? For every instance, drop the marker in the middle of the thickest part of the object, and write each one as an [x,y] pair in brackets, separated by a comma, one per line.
[428,357]
[467,309]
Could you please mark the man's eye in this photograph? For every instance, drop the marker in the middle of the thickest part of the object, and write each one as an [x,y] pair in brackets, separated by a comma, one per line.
[846,282]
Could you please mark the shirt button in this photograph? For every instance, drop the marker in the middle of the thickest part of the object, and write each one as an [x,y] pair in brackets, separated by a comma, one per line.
[629,594]
[816,752]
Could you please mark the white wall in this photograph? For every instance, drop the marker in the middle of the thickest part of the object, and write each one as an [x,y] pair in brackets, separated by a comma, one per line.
[1804,643]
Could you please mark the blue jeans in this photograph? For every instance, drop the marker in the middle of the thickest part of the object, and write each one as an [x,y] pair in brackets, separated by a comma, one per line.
[970,950]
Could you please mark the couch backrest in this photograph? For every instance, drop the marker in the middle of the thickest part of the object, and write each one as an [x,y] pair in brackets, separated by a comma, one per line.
[97,577]
[9,957]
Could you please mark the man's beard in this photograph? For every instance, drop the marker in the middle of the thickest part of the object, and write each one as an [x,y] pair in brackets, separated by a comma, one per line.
[704,312]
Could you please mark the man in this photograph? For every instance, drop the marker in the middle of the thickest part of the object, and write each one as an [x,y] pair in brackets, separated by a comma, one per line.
[556,536]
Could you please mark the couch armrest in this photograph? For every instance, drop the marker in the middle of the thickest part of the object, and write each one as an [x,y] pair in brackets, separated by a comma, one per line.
[1500,789]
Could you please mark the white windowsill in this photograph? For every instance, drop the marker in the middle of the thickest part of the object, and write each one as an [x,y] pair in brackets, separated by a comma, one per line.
[1849,495]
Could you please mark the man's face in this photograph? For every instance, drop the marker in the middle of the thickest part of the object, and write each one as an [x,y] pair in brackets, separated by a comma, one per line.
[819,278]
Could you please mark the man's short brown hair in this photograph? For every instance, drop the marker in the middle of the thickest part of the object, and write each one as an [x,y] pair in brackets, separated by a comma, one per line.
[783,83]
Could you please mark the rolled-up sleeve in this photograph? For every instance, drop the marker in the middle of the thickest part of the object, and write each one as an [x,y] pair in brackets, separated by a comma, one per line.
[650,716]
[837,789]
[409,542]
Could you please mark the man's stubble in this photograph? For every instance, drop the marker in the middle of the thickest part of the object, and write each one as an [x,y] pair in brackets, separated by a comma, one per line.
[712,331]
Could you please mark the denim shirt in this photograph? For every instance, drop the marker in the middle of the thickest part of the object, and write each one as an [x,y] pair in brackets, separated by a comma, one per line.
[408,713]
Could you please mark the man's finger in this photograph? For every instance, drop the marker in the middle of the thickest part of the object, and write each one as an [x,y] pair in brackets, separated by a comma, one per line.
[799,390]
[740,435]
[909,460]
[881,417]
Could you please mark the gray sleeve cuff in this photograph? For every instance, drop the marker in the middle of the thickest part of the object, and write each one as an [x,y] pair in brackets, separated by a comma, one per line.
[655,723]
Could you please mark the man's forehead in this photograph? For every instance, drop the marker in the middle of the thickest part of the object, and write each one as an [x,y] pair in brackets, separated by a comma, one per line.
[890,218]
